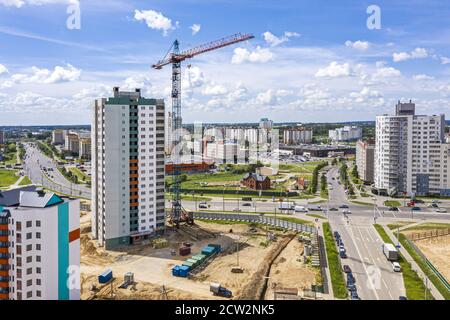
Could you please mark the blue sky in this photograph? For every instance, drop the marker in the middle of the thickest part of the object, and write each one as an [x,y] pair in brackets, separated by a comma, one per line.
[310,61]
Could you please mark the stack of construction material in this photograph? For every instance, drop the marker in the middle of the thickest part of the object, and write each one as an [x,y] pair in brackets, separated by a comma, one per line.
[200,258]
[160,243]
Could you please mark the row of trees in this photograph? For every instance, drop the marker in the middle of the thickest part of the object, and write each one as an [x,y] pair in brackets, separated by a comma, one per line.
[343,174]
[69,175]
[315,178]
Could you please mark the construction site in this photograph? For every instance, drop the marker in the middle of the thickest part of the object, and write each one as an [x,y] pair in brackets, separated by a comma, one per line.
[254,263]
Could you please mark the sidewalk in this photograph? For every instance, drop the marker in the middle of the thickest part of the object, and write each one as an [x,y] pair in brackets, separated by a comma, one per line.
[324,264]
[436,294]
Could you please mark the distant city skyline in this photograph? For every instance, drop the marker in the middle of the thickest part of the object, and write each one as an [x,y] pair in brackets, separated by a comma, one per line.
[309,63]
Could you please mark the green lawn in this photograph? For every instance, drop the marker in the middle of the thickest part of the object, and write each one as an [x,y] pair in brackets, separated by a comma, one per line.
[361,203]
[296,220]
[316,216]
[415,289]
[392,203]
[399,224]
[81,176]
[25,181]
[334,264]
[7,177]
[428,226]
[303,169]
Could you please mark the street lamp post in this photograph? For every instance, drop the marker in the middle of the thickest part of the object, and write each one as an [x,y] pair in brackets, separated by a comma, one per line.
[223,200]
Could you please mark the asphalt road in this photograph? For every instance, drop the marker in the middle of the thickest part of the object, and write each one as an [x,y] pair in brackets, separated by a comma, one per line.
[54,180]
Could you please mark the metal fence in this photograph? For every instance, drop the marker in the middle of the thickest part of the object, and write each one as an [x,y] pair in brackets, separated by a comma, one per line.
[429,264]
[262,219]
[429,234]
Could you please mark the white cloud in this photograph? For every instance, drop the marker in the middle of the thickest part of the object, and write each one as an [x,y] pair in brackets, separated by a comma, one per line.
[274,41]
[195,28]
[417,53]
[46,76]
[267,98]
[445,60]
[260,55]
[214,90]
[155,20]
[335,70]
[3,69]
[420,77]
[358,45]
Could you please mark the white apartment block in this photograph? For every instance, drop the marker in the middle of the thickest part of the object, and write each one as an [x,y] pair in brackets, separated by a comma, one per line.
[58,136]
[344,134]
[411,154]
[222,152]
[297,136]
[128,165]
[266,124]
[42,261]
[365,153]
[72,142]
[85,148]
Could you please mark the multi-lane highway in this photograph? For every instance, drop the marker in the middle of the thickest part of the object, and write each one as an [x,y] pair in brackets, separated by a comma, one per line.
[35,162]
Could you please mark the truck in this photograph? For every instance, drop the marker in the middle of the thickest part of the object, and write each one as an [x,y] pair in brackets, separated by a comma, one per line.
[286,206]
[390,251]
[218,290]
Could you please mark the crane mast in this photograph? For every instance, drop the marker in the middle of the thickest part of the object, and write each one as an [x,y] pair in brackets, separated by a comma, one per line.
[175,58]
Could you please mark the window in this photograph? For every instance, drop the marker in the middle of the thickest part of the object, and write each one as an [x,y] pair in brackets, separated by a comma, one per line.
[29,271]
[29,247]
[29,224]
[38,258]
[38,246]
[38,223]
[19,226]
[29,235]
[29,282]
[29,259]
[29,294]
[38,282]
[38,270]
[38,293]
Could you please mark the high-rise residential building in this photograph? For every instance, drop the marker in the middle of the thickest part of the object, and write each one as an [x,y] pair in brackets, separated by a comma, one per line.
[411,153]
[265,123]
[365,153]
[345,134]
[128,164]
[295,136]
[2,137]
[85,148]
[39,246]
[58,136]
[224,152]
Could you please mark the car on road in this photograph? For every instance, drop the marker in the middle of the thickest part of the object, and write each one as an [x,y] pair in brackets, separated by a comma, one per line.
[237,210]
[415,208]
[350,278]
[354,295]
[433,205]
[342,253]
[315,208]
[300,209]
[402,298]
[393,209]
[336,235]
[396,267]
[246,204]
[334,209]
[203,205]
[346,211]
[347,269]
[411,204]
[441,210]
[343,206]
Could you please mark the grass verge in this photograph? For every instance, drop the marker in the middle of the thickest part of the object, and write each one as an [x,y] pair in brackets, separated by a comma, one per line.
[392,203]
[334,264]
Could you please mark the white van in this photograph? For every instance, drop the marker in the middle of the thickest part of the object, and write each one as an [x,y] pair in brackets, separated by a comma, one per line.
[300,209]
[396,267]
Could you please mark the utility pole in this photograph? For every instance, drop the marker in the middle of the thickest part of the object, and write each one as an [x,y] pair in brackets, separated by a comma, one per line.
[223,200]
[237,250]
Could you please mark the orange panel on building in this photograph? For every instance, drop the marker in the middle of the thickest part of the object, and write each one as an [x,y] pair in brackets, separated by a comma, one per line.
[74,235]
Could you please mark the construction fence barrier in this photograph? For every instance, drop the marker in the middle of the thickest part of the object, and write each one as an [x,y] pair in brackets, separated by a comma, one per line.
[261,219]
[429,264]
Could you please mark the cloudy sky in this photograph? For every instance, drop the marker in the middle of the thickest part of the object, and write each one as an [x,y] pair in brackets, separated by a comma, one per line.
[310,61]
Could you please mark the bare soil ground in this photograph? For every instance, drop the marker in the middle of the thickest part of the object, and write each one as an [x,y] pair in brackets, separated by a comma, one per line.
[437,251]
[289,271]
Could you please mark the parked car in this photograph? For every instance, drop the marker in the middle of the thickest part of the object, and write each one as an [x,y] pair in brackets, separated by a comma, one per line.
[346,212]
[336,235]
[396,267]
[441,210]
[393,209]
[354,295]
[333,209]
[342,253]
[347,269]
[415,208]
[343,206]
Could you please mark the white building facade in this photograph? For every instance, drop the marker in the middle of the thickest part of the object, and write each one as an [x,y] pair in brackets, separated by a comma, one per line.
[411,154]
[128,167]
[297,136]
[44,253]
[345,134]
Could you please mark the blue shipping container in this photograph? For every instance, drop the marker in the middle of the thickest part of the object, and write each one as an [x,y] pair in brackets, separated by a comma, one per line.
[184,270]
[176,271]
[208,251]
[105,276]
